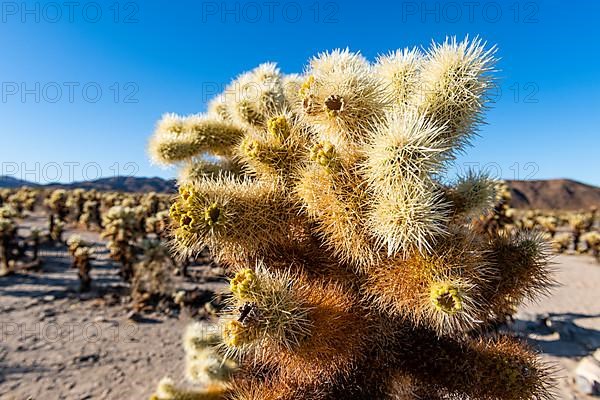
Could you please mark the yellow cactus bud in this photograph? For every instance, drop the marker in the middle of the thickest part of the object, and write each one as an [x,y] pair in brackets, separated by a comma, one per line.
[235,334]
[446,298]
[278,127]
[242,283]
[324,154]
[306,85]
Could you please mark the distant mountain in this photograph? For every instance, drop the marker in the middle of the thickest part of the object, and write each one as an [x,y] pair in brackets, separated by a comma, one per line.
[10,182]
[117,184]
[562,194]
[125,184]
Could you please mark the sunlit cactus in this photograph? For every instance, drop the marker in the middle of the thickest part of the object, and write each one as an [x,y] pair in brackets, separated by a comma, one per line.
[56,203]
[150,277]
[90,216]
[357,269]
[581,223]
[8,232]
[205,368]
[590,242]
[121,229]
[82,258]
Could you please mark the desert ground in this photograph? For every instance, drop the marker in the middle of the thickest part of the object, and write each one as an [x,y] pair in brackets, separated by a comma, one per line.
[56,343]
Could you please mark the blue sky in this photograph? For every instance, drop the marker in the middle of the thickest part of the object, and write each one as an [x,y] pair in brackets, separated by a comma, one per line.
[83,83]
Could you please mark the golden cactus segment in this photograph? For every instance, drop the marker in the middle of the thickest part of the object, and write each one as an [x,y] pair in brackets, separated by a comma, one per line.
[408,219]
[340,210]
[400,69]
[267,310]
[403,149]
[342,97]
[275,151]
[177,140]
[235,334]
[233,217]
[455,77]
[167,390]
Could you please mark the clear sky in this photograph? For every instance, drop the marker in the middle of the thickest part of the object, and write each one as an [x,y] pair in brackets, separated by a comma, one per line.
[84,82]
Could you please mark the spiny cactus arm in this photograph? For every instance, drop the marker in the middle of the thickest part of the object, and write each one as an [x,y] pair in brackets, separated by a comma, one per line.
[455,77]
[522,260]
[167,390]
[497,368]
[208,167]
[331,197]
[277,150]
[400,71]
[236,219]
[342,97]
[471,195]
[255,94]
[409,218]
[309,330]
[180,138]
[404,148]
[440,291]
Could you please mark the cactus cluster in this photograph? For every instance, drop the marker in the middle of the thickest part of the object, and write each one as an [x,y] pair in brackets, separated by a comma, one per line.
[8,239]
[357,270]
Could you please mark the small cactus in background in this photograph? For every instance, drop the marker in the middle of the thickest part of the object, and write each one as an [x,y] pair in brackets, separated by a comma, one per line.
[120,228]
[35,236]
[8,232]
[355,272]
[82,258]
[151,278]
[502,217]
[58,211]
[204,366]
[90,216]
[581,223]
[591,243]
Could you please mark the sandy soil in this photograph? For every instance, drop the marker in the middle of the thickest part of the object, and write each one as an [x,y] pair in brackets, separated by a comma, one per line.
[58,344]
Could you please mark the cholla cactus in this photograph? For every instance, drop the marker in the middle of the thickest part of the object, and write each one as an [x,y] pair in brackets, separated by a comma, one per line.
[57,205]
[501,218]
[204,366]
[591,243]
[82,261]
[581,223]
[8,232]
[355,273]
[121,228]
[561,242]
[35,236]
[75,202]
[151,277]
[91,214]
